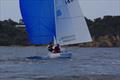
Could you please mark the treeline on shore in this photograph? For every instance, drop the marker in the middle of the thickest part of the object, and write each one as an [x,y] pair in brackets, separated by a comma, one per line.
[105,32]
[11,35]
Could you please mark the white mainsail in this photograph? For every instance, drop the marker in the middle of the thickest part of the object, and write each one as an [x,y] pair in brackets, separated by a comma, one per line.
[71,27]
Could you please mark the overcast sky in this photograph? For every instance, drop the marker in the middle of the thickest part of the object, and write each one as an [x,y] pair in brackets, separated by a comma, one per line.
[91,8]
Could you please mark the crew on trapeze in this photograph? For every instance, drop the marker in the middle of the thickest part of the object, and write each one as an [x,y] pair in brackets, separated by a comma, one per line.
[54,48]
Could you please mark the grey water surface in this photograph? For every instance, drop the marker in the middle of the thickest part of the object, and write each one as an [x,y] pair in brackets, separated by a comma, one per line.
[85,61]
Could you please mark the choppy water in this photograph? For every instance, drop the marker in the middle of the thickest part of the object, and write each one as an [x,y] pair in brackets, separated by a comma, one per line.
[85,61]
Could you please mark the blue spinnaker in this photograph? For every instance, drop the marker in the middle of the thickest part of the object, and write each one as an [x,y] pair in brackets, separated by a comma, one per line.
[38,16]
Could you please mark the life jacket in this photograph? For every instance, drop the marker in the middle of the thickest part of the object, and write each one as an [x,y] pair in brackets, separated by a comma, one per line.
[56,49]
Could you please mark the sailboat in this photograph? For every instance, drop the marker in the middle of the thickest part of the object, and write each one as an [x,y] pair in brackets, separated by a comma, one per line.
[58,21]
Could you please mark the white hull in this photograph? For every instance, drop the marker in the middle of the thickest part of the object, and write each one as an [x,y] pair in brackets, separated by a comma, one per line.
[60,55]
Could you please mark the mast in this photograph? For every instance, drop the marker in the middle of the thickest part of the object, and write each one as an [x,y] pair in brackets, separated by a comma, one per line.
[55,37]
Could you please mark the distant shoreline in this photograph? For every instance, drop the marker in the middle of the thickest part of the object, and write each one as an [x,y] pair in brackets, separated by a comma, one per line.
[62,46]
[105,32]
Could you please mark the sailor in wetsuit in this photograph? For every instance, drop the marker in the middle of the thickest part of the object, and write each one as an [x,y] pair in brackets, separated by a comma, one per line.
[56,49]
[50,47]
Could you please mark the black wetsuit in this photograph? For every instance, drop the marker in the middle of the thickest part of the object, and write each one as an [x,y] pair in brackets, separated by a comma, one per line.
[50,48]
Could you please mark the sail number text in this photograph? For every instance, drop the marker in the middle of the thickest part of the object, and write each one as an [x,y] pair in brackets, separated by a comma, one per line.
[68,1]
